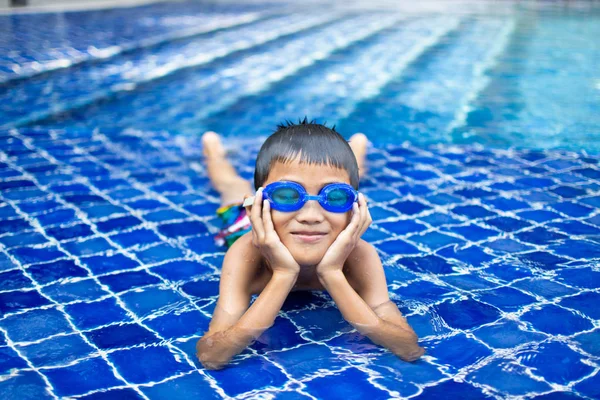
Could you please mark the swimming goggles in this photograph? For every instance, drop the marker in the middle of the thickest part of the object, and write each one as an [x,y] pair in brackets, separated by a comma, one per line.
[291,196]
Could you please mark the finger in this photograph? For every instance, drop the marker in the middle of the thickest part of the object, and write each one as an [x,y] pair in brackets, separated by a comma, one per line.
[354,221]
[267,221]
[364,214]
[255,215]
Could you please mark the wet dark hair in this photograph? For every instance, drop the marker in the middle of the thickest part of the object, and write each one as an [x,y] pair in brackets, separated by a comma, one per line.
[315,143]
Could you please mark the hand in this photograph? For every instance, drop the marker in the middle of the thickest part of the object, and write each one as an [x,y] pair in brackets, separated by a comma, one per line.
[266,239]
[340,249]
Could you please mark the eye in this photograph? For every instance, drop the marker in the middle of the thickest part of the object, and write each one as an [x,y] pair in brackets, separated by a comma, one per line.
[337,197]
[285,196]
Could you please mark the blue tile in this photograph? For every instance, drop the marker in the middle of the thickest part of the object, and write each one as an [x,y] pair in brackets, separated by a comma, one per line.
[582,277]
[302,361]
[466,314]
[397,247]
[202,289]
[453,390]
[431,264]
[544,287]
[103,210]
[14,226]
[17,300]
[507,224]
[153,364]
[192,385]
[589,342]
[128,280]
[121,223]
[30,255]
[65,292]
[139,237]
[151,299]
[88,247]
[507,334]
[59,350]
[542,259]
[472,255]
[457,351]
[507,204]
[539,215]
[544,319]
[572,209]
[423,290]
[103,264]
[23,239]
[35,324]
[402,226]
[14,279]
[120,394]
[27,385]
[506,299]
[179,325]
[88,315]
[158,253]
[164,215]
[344,385]
[473,232]
[583,302]
[439,219]
[507,246]
[435,240]
[468,281]
[540,236]
[557,354]
[409,207]
[183,229]
[507,377]
[9,360]
[120,336]
[146,204]
[85,376]
[576,228]
[62,216]
[50,272]
[580,249]
[182,270]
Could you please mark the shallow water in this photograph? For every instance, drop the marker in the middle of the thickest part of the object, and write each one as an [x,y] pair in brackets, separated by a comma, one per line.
[108,270]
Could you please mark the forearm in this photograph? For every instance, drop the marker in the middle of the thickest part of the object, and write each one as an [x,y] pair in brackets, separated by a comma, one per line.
[398,338]
[351,305]
[215,350]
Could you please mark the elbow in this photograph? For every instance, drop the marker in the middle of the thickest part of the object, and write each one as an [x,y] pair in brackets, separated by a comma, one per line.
[208,354]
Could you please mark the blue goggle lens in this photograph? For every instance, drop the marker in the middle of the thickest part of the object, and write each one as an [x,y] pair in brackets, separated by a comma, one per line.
[285,196]
[338,197]
[291,196]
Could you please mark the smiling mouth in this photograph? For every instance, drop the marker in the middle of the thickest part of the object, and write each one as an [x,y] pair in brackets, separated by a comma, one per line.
[308,237]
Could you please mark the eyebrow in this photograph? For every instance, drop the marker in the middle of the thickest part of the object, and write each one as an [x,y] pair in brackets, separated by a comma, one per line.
[299,183]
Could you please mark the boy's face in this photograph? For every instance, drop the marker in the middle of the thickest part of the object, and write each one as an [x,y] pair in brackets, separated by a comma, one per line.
[308,232]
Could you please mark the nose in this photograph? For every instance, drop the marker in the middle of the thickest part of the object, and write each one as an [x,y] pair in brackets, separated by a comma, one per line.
[310,213]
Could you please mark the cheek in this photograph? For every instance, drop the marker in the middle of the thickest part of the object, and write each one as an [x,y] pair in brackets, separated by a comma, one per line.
[339,222]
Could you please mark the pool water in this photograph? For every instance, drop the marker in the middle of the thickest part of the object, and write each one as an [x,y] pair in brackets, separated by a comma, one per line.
[483,180]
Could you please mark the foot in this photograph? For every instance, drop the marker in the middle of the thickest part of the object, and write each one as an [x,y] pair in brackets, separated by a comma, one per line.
[212,146]
[358,143]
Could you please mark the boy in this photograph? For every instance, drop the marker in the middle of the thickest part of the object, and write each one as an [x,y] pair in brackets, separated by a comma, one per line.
[292,242]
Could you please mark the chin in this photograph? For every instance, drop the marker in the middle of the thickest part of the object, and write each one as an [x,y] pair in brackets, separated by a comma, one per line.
[308,257]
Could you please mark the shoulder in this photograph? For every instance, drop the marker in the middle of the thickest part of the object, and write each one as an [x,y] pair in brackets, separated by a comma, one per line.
[242,262]
[365,273]
[363,252]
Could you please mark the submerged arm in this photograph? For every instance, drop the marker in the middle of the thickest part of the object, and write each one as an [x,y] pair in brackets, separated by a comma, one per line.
[216,349]
[371,313]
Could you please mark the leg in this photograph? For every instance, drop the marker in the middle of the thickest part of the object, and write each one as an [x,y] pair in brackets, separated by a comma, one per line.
[223,176]
[358,143]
